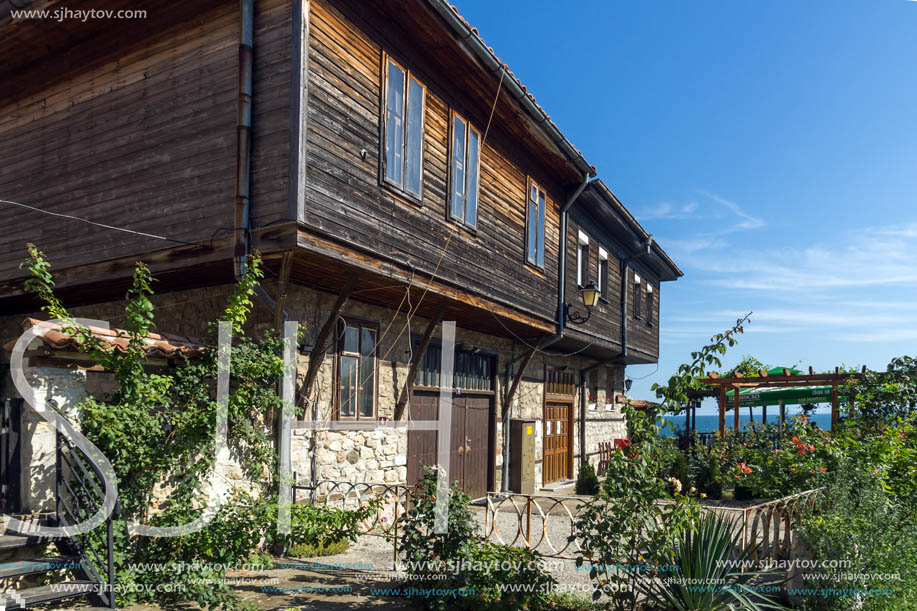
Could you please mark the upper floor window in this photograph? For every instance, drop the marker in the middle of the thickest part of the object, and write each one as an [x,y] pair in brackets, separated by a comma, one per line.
[638,301]
[650,304]
[356,396]
[582,259]
[466,143]
[534,222]
[603,273]
[404,104]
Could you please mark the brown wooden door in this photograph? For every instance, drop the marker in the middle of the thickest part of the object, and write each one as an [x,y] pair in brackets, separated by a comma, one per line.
[477,439]
[469,451]
[556,441]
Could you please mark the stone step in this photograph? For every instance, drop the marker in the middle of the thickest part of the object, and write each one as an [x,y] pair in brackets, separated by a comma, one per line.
[19,568]
[8,542]
[45,594]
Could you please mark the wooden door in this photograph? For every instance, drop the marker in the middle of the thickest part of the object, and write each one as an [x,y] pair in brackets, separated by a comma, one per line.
[421,444]
[477,444]
[556,441]
[469,440]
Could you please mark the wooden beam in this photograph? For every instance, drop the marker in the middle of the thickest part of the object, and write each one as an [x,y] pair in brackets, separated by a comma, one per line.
[736,399]
[722,411]
[415,362]
[285,266]
[508,398]
[321,342]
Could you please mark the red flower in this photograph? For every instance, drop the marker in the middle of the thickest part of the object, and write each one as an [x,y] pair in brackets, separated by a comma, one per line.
[824,468]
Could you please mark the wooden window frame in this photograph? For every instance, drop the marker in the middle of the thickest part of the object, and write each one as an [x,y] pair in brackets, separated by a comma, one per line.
[539,213]
[400,190]
[638,297]
[339,352]
[463,222]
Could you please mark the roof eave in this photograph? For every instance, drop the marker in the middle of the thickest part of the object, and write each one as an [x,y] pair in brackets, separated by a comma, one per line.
[473,42]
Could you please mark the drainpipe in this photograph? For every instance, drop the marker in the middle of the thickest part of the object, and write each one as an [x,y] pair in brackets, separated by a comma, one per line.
[562,259]
[242,215]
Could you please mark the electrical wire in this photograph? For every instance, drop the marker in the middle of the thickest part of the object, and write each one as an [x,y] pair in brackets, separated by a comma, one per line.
[103,225]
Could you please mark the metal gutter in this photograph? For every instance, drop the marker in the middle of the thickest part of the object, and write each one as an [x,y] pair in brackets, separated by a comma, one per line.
[562,258]
[242,216]
[493,63]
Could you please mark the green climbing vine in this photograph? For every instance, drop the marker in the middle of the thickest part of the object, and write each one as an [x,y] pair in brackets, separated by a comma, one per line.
[157,428]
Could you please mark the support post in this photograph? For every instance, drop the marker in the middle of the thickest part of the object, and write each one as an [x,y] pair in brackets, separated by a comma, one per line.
[736,399]
[508,399]
[285,266]
[722,411]
[321,342]
[415,362]
[782,418]
[764,415]
[834,407]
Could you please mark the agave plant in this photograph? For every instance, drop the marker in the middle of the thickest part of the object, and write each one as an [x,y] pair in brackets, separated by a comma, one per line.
[707,573]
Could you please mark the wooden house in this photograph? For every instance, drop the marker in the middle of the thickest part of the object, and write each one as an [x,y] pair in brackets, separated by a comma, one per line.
[392,172]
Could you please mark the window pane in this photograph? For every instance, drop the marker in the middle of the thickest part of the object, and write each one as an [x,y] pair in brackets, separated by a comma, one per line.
[458,167]
[352,339]
[541,207]
[394,124]
[582,264]
[473,169]
[368,342]
[603,277]
[367,386]
[348,385]
[414,171]
[530,221]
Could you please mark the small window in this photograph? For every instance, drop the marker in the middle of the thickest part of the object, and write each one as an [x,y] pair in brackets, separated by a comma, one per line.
[404,107]
[603,274]
[466,142]
[582,259]
[356,397]
[534,222]
[638,301]
[650,304]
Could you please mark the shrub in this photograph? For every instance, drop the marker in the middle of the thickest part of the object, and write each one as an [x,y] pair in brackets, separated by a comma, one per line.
[307,550]
[625,524]
[862,528]
[587,483]
[706,556]
[458,561]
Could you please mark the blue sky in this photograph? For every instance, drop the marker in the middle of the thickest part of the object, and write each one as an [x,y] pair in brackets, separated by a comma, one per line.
[770,147]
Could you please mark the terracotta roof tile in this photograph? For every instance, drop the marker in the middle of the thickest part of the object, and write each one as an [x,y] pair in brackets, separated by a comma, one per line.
[161,345]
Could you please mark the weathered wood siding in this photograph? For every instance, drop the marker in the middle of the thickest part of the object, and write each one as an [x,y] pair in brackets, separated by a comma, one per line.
[605,322]
[138,129]
[346,200]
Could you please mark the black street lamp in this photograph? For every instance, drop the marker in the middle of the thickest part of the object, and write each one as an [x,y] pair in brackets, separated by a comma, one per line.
[590,293]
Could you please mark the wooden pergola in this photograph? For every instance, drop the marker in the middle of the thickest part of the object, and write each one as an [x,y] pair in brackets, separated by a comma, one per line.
[738,381]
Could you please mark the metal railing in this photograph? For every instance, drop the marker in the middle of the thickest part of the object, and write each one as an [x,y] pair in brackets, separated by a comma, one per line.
[79,494]
[771,526]
[541,523]
[395,500]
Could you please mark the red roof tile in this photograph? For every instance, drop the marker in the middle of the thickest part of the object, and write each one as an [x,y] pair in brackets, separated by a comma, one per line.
[161,345]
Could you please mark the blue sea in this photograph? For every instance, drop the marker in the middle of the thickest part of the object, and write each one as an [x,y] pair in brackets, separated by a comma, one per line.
[710,422]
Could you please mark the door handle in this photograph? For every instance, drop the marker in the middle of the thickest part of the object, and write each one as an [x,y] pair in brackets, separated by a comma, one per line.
[461,449]
[467,449]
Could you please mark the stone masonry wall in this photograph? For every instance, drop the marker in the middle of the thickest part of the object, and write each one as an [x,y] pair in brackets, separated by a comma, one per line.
[371,456]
